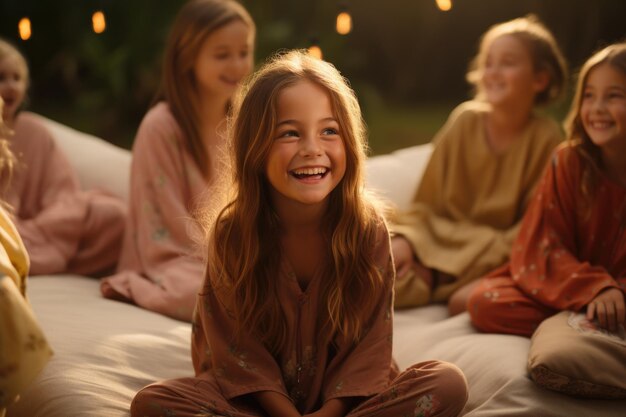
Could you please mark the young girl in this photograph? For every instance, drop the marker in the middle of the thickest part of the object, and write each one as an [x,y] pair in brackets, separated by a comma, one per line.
[176,156]
[64,228]
[24,350]
[295,316]
[571,251]
[486,161]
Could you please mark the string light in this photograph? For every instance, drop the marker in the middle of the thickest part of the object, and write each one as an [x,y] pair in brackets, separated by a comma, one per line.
[98,21]
[344,22]
[314,50]
[444,5]
[24,28]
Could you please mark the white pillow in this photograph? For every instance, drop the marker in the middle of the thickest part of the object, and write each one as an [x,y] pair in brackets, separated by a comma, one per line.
[395,176]
[98,163]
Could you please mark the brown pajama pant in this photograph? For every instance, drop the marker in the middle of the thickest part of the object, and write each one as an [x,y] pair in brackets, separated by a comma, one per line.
[426,389]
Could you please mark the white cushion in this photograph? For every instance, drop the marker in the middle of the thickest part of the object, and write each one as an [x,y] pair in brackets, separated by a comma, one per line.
[395,176]
[98,163]
[105,351]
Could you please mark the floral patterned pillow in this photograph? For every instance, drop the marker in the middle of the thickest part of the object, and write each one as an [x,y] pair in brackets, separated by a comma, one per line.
[570,354]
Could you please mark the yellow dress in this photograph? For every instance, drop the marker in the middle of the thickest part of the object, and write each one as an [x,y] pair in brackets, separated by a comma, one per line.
[24,350]
[468,207]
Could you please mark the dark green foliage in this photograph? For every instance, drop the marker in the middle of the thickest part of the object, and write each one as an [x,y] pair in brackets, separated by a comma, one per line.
[402,54]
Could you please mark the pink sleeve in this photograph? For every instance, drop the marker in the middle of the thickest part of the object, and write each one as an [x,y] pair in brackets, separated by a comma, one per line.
[159,244]
[51,212]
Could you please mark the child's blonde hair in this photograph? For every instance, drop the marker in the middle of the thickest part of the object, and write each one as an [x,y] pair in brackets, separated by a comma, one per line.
[244,249]
[194,23]
[543,48]
[7,158]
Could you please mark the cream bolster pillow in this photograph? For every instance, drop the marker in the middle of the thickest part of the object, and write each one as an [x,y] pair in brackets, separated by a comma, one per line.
[98,163]
[569,354]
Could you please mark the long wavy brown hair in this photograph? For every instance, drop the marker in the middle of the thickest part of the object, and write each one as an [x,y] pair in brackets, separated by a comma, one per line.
[244,248]
[194,23]
[613,55]
[543,48]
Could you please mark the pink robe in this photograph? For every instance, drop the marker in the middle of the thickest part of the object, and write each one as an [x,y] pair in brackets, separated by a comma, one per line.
[160,268]
[64,228]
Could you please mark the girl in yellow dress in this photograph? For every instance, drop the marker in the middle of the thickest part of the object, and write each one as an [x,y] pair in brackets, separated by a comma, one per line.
[24,350]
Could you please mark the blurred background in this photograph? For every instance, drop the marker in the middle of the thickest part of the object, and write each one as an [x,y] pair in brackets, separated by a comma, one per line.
[406,59]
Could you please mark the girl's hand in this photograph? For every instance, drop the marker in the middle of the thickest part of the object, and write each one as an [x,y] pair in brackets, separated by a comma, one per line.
[402,255]
[609,308]
[335,407]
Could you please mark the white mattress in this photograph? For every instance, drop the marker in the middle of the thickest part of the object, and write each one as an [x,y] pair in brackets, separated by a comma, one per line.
[105,351]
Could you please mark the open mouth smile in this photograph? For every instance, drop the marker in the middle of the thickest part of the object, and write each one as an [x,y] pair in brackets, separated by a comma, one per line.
[600,125]
[316,173]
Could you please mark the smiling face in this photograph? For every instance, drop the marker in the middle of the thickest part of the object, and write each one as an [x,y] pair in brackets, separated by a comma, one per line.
[307,159]
[224,59]
[603,107]
[508,75]
[13,84]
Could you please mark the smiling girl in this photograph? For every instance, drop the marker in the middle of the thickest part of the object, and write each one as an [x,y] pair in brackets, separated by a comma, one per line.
[176,156]
[295,316]
[64,228]
[486,161]
[24,350]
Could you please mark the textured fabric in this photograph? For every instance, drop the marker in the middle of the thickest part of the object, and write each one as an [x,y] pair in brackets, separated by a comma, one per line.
[24,350]
[160,268]
[426,389]
[569,354]
[467,208]
[63,228]
[571,247]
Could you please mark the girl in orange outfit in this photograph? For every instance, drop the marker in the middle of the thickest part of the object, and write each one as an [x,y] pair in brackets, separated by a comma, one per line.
[295,315]
[571,250]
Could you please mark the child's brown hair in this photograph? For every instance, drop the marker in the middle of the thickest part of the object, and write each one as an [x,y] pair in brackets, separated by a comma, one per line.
[244,248]
[194,23]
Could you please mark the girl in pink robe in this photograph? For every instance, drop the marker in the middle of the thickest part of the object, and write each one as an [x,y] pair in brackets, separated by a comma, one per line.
[64,229]
[176,157]
[295,316]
